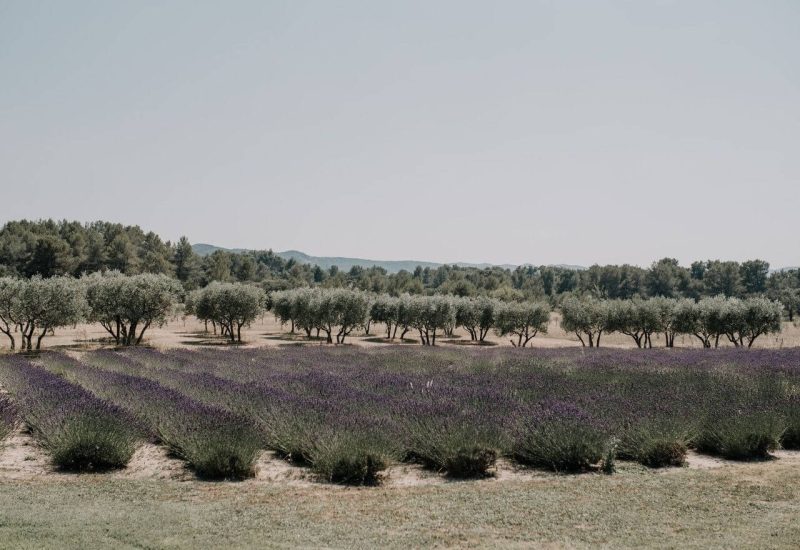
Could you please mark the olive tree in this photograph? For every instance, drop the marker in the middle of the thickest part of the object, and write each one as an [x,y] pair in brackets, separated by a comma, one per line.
[403,316]
[704,320]
[231,306]
[127,305]
[384,309]
[666,309]
[476,315]
[10,293]
[294,306]
[341,309]
[371,297]
[428,314]
[761,316]
[586,317]
[280,304]
[36,306]
[636,318]
[743,321]
[522,319]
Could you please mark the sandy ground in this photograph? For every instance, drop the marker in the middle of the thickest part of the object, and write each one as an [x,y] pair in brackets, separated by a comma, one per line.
[267,332]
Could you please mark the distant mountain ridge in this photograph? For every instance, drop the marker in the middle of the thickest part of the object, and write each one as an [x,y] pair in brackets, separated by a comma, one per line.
[344,264]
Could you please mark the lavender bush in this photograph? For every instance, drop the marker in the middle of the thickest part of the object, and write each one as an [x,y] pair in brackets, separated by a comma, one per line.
[561,437]
[791,437]
[80,431]
[216,443]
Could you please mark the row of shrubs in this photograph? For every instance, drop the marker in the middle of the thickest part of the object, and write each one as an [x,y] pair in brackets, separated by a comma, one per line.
[127,306]
[741,322]
[214,442]
[342,452]
[80,431]
[363,411]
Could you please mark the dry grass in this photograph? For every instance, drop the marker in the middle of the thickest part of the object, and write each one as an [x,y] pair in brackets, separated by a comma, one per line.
[745,505]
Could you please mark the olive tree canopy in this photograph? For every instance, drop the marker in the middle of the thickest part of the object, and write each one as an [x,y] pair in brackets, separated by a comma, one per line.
[36,306]
[428,314]
[231,305]
[127,305]
[476,315]
[586,317]
[522,319]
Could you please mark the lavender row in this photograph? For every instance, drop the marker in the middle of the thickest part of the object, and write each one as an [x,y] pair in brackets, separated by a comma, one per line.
[348,412]
[216,443]
[353,448]
[80,431]
[651,406]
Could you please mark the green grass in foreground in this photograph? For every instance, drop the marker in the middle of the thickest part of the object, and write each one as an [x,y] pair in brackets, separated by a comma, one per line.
[748,505]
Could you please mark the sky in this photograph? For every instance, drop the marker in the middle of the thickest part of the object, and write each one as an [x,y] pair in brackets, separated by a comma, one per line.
[442,130]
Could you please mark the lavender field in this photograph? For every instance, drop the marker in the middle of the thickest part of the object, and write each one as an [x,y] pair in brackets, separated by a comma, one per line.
[349,413]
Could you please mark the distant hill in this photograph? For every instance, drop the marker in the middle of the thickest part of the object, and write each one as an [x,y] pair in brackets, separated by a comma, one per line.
[325,262]
[202,249]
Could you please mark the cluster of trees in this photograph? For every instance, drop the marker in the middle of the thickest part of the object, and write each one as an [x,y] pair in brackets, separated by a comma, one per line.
[336,312]
[741,321]
[229,306]
[126,306]
[429,316]
[33,308]
[50,248]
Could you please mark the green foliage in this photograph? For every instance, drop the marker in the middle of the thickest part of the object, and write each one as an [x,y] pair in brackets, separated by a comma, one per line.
[340,309]
[477,316]
[127,305]
[91,441]
[562,445]
[35,307]
[523,319]
[49,248]
[666,278]
[337,312]
[791,436]
[638,318]
[429,314]
[587,317]
[230,305]
[384,310]
[741,435]
[187,264]
[460,450]
[741,321]
[655,444]
[349,458]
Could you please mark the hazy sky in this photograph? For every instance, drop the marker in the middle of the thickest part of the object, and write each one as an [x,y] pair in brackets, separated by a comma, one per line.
[507,132]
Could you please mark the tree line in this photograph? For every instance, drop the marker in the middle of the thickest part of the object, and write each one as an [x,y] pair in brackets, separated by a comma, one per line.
[740,321]
[127,305]
[50,248]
